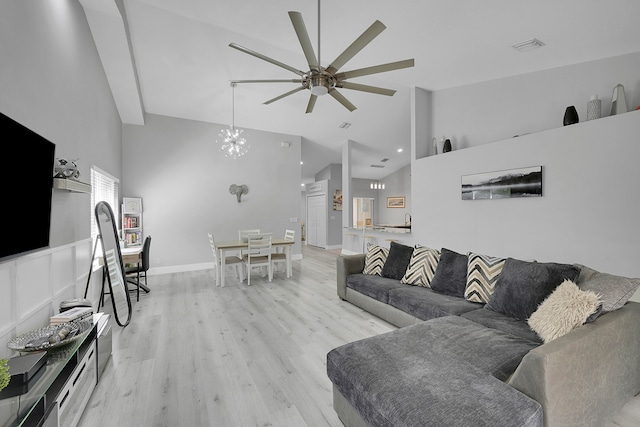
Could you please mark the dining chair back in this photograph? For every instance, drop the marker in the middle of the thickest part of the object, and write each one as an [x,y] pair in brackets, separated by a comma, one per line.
[140,270]
[242,235]
[279,257]
[258,254]
[231,261]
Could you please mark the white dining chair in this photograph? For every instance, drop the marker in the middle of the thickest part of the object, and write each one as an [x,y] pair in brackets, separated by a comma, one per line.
[230,261]
[242,236]
[258,254]
[280,255]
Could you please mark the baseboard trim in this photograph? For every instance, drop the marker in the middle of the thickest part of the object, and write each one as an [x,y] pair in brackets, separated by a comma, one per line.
[195,267]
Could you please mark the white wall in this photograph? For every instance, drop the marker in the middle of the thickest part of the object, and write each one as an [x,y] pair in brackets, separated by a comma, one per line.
[499,109]
[332,173]
[395,185]
[175,166]
[588,213]
[51,80]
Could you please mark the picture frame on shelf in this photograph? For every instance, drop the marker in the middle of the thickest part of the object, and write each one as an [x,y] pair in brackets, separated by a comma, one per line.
[396,202]
[132,204]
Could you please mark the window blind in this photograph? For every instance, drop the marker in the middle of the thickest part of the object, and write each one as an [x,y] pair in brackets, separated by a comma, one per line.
[104,188]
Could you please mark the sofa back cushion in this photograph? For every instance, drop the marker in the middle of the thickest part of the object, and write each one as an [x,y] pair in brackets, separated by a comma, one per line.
[614,291]
[523,285]
[451,275]
[397,261]
[374,260]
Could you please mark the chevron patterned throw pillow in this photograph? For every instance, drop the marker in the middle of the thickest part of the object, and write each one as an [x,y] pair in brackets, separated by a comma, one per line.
[375,259]
[422,266]
[482,274]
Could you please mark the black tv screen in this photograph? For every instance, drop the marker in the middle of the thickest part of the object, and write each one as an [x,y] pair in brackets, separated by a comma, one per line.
[27,170]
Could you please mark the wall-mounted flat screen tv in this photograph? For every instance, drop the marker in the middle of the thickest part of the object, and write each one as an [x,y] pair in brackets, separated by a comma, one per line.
[27,178]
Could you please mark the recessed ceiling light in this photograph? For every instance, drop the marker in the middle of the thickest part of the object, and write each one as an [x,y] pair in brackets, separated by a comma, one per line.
[301,162]
[344,125]
[302,185]
[528,45]
[400,150]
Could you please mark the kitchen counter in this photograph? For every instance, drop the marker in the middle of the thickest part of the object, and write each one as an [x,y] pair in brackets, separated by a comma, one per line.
[355,240]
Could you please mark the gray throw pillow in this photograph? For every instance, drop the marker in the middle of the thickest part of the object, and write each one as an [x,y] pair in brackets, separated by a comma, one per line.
[614,291]
[451,274]
[523,285]
[397,261]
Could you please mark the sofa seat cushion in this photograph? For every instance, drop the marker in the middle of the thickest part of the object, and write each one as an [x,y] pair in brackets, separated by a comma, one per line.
[426,304]
[376,287]
[442,372]
[495,320]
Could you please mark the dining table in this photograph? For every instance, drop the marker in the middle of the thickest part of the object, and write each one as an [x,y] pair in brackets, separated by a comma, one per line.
[227,246]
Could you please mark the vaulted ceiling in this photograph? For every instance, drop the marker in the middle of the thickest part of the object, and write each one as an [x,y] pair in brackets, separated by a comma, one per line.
[171,57]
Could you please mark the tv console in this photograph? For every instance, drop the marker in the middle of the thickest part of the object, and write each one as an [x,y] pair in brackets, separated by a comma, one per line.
[60,395]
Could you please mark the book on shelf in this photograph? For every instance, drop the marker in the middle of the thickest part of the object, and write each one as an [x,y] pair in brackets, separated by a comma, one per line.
[131,222]
[76,313]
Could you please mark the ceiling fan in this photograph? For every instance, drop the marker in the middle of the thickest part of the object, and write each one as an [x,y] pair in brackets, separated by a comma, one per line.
[322,80]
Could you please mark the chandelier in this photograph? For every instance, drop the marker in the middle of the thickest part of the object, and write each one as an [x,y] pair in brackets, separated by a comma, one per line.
[230,140]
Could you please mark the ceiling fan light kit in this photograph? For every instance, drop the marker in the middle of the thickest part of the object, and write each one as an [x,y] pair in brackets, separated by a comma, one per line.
[320,80]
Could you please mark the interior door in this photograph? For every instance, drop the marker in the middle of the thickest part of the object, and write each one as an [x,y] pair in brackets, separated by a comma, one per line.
[317,221]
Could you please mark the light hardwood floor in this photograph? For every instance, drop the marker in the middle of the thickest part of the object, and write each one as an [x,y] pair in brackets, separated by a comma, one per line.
[197,355]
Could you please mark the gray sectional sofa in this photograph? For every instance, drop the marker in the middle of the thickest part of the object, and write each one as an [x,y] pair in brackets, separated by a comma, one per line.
[455,362]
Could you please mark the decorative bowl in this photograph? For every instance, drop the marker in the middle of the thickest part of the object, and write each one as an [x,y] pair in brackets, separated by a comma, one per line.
[41,339]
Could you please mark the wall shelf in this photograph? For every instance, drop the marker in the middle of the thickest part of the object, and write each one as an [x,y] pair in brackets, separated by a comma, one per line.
[71,185]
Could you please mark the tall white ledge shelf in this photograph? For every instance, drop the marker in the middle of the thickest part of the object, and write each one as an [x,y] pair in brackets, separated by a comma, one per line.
[71,185]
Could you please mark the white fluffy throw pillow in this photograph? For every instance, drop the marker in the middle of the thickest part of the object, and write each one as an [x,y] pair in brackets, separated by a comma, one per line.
[565,309]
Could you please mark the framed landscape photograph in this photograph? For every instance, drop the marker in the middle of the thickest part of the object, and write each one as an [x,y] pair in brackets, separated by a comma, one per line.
[523,182]
[396,202]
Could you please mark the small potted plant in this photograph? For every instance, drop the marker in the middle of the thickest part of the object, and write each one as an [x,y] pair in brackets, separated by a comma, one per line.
[4,373]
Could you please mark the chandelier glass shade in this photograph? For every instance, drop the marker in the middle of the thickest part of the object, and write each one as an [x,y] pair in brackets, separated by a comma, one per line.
[230,140]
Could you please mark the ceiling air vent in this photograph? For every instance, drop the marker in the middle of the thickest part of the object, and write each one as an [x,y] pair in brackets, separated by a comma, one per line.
[384,160]
[344,125]
[528,45]
[377,166]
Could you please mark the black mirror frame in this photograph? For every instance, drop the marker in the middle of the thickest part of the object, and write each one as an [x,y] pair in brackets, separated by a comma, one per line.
[103,208]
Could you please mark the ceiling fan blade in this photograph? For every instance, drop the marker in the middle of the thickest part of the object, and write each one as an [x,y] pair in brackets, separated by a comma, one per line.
[266,58]
[268,81]
[383,68]
[342,100]
[365,38]
[291,92]
[311,104]
[365,88]
[305,41]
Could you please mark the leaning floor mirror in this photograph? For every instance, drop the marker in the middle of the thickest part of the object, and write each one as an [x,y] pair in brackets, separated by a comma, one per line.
[112,261]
